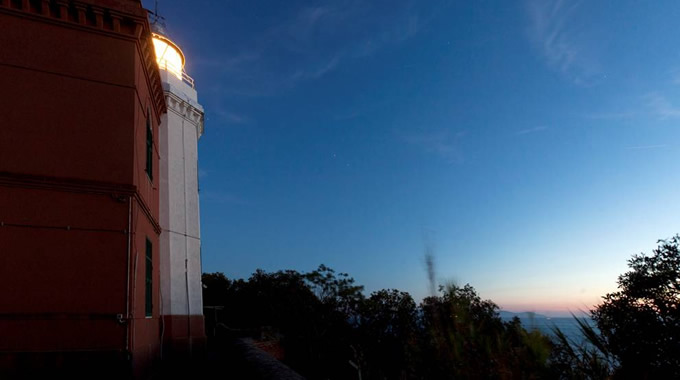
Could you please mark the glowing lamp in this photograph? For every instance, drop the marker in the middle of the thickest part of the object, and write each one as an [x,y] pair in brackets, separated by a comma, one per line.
[168,55]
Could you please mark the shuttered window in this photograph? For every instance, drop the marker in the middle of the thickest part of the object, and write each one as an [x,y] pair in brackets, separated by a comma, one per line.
[149,146]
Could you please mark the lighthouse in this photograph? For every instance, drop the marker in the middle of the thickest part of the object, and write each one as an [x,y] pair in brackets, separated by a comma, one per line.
[180,241]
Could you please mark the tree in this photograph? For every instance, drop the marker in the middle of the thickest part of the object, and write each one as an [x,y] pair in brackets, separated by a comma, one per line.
[336,291]
[464,337]
[640,323]
[329,330]
[388,331]
[583,359]
[303,309]
[215,288]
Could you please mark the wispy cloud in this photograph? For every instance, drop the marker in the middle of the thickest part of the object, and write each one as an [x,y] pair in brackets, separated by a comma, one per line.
[442,143]
[230,117]
[310,43]
[233,62]
[675,76]
[349,115]
[313,15]
[316,72]
[552,32]
[661,107]
[610,115]
[363,106]
[540,128]
[646,147]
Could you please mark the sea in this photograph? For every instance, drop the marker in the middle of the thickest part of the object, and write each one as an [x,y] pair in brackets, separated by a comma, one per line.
[568,325]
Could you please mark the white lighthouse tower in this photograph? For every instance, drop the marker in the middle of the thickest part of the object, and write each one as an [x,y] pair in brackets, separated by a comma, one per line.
[180,244]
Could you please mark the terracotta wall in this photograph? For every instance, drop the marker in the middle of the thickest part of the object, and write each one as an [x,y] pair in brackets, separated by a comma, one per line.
[76,205]
[67,102]
[62,270]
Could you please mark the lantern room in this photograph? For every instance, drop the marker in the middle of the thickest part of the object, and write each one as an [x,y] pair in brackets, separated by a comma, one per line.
[168,55]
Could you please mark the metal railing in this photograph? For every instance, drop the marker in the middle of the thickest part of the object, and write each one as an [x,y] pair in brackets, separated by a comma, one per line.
[187,79]
[164,65]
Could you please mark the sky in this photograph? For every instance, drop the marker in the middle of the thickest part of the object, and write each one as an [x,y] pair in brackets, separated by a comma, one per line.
[532,145]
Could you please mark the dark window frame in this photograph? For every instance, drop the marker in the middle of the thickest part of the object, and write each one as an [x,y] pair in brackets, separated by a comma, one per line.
[149,146]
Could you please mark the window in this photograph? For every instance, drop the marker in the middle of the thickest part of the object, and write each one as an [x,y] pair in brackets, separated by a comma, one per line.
[149,280]
[149,146]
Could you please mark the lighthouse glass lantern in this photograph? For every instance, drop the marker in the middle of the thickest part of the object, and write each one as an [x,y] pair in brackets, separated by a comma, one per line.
[168,55]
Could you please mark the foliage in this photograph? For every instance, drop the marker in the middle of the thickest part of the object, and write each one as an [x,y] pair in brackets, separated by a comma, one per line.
[638,326]
[330,330]
[314,333]
[388,330]
[589,359]
[640,323]
[465,338]
[337,292]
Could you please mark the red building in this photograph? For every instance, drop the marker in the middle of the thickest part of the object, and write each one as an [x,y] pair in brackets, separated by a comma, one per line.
[80,109]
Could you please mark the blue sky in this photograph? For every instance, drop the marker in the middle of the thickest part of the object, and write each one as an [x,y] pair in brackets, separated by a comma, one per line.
[532,144]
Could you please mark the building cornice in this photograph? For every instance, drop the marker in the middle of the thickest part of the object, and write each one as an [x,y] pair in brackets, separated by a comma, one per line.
[124,19]
[186,110]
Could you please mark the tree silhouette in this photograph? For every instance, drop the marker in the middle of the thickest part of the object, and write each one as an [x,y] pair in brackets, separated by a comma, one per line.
[329,330]
[640,323]
[464,337]
[388,332]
